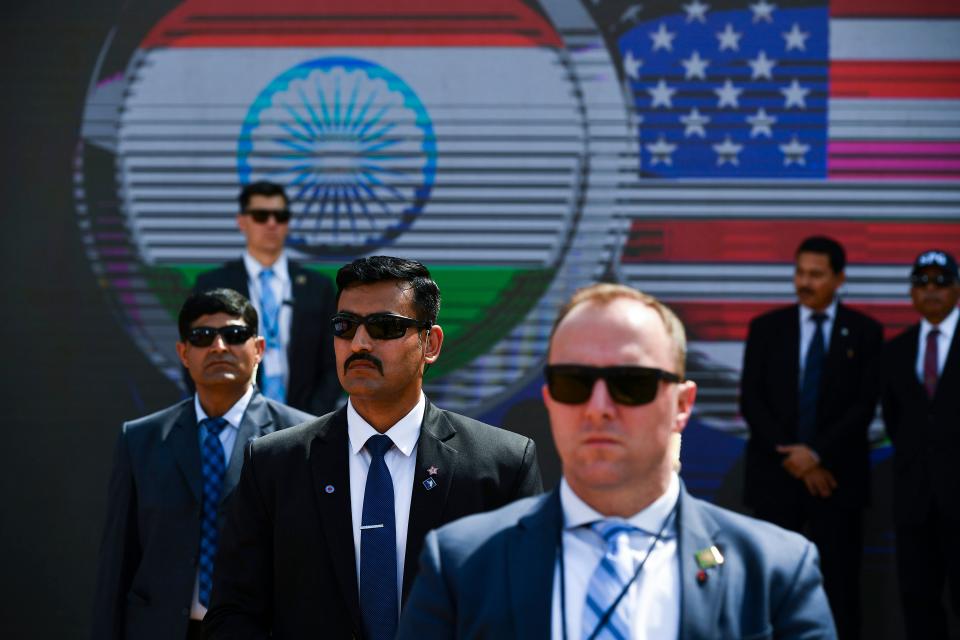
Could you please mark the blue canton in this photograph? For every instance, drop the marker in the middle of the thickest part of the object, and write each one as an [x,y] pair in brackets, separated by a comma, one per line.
[733,93]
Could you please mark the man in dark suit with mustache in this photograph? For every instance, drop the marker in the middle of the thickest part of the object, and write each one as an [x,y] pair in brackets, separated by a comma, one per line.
[808,395]
[328,520]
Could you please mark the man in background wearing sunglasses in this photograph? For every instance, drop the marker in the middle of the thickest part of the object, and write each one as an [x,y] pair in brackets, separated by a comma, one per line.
[328,519]
[171,473]
[293,302]
[921,409]
[808,394]
[620,549]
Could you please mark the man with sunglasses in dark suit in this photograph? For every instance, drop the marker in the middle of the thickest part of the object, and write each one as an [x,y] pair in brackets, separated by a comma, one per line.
[620,549]
[172,471]
[328,519]
[921,409]
[808,394]
[293,302]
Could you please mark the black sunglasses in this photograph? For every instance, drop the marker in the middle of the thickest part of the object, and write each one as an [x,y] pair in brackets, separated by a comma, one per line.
[923,279]
[380,326]
[232,334]
[260,216]
[630,386]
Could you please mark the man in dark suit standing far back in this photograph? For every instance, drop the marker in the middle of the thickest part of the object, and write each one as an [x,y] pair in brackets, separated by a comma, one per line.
[327,521]
[294,304]
[171,473]
[921,409]
[620,550]
[808,395]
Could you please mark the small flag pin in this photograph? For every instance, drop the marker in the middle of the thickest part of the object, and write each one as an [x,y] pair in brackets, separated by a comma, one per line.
[430,483]
[709,558]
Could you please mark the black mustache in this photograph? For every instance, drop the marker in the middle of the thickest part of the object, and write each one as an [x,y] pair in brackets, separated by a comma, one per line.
[364,356]
[804,291]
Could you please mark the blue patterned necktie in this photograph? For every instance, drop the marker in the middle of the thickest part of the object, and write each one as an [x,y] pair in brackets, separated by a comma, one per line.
[379,605]
[613,572]
[810,388]
[271,381]
[213,466]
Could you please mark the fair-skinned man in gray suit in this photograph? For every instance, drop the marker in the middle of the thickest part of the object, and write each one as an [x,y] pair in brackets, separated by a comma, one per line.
[172,471]
[620,549]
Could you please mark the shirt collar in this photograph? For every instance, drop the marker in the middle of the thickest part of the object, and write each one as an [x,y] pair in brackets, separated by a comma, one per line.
[234,414]
[280,267]
[831,312]
[577,513]
[404,433]
[947,328]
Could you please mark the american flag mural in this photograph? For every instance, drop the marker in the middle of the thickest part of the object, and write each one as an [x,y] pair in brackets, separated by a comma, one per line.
[524,149]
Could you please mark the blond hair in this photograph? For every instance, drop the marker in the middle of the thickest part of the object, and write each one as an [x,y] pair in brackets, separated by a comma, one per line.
[604,293]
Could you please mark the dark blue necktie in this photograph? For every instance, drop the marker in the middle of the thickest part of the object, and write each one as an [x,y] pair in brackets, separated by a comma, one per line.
[810,388]
[213,466]
[379,604]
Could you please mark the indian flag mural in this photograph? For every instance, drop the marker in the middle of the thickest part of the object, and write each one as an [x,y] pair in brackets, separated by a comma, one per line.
[485,139]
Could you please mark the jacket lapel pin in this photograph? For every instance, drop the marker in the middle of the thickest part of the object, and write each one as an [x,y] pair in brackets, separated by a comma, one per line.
[844,331]
[707,559]
[301,279]
[430,482]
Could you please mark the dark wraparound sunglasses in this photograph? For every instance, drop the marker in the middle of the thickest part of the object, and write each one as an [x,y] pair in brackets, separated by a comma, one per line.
[631,386]
[260,216]
[939,280]
[232,334]
[380,326]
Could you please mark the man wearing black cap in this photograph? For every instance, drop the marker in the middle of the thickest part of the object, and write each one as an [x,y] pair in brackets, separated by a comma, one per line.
[921,408]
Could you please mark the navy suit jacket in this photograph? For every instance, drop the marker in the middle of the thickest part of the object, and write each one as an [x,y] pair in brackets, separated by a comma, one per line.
[769,402]
[491,576]
[313,385]
[148,555]
[925,431]
[286,565]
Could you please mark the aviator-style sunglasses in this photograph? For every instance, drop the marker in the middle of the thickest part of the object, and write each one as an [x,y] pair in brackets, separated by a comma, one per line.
[380,326]
[630,386]
[260,216]
[232,334]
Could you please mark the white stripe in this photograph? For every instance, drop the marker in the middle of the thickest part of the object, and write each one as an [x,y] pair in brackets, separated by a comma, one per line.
[864,39]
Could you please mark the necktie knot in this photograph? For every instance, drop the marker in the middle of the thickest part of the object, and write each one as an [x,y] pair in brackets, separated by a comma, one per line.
[214,425]
[266,274]
[819,319]
[378,445]
[611,530]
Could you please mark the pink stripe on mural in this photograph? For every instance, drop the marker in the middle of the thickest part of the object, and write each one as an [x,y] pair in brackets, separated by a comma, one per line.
[900,164]
[875,175]
[895,148]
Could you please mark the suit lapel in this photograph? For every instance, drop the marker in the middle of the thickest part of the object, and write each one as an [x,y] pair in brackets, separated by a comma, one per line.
[330,469]
[256,421]
[699,599]
[426,505]
[792,359]
[951,366]
[183,440]
[531,559]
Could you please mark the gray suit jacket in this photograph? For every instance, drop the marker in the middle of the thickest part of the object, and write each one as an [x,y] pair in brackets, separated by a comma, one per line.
[491,576]
[148,554]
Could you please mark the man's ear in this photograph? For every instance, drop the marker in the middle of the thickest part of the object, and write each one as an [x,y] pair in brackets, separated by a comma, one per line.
[260,343]
[686,395]
[182,352]
[432,344]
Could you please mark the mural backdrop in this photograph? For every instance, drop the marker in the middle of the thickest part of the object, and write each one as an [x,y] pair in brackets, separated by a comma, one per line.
[520,150]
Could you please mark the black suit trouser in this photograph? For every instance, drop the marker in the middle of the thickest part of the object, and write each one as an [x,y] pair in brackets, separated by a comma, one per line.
[838,533]
[928,556]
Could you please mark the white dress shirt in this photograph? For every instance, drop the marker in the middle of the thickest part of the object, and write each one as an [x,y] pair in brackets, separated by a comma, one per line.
[401,461]
[654,597]
[282,292]
[808,327]
[947,329]
[228,438]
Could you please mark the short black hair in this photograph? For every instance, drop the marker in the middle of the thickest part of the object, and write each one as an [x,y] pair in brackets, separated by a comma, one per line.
[261,188]
[827,246]
[426,293]
[213,301]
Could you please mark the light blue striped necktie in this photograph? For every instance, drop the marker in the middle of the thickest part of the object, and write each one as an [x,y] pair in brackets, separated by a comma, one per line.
[613,572]
[272,381]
